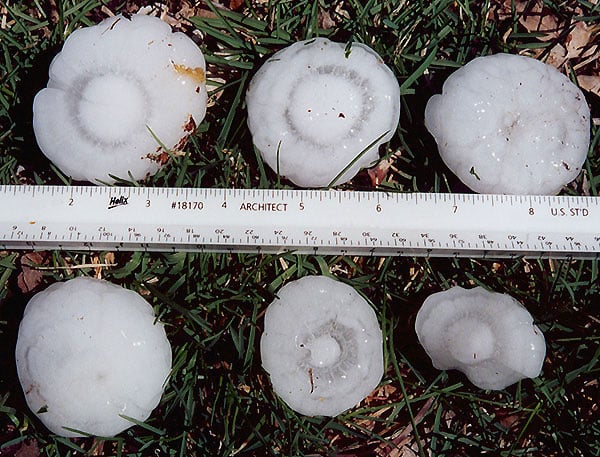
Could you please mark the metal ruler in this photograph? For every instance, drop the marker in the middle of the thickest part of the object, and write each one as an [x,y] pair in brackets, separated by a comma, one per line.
[302,221]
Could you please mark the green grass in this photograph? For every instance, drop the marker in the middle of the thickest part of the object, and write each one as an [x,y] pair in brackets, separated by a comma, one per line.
[219,400]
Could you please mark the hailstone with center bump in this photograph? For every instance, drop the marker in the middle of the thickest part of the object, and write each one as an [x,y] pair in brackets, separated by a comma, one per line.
[509,124]
[314,107]
[118,92]
[89,352]
[322,346]
[489,336]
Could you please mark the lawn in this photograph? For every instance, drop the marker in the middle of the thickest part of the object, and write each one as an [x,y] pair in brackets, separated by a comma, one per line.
[219,401]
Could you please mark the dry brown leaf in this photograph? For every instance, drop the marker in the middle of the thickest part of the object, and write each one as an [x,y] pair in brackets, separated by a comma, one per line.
[536,20]
[30,278]
[53,14]
[324,19]
[504,10]
[404,436]
[507,418]
[341,11]
[500,11]
[405,451]
[187,10]
[28,449]
[236,4]
[590,83]
[510,421]
[558,56]
[580,41]
[380,171]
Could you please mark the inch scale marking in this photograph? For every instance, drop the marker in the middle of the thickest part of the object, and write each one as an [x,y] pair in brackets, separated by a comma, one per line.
[302,221]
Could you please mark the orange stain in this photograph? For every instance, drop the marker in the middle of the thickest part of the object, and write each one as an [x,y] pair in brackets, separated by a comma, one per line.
[197,73]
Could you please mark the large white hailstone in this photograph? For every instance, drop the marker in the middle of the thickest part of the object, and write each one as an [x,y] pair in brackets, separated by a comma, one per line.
[488,336]
[313,107]
[117,91]
[89,351]
[508,124]
[322,346]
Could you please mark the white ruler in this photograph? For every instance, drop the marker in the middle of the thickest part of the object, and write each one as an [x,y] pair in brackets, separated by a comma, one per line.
[302,221]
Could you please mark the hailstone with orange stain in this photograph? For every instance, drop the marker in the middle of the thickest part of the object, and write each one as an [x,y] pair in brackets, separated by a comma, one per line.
[119,93]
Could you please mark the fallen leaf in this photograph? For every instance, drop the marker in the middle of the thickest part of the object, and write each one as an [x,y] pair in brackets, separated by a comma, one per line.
[236,4]
[580,41]
[589,83]
[53,13]
[557,57]
[507,418]
[324,19]
[28,449]
[380,171]
[30,277]
[537,20]
[404,436]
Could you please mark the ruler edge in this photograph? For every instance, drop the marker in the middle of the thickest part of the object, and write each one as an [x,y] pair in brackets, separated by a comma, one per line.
[240,248]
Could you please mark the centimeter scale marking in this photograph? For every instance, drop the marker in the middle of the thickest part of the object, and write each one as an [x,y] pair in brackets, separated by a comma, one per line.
[302,221]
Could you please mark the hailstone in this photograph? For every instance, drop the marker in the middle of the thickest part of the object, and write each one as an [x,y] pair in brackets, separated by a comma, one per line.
[118,92]
[315,106]
[488,336]
[509,124]
[89,354]
[322,346]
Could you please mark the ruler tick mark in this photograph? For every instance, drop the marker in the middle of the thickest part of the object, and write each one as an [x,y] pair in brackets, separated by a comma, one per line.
[493,216]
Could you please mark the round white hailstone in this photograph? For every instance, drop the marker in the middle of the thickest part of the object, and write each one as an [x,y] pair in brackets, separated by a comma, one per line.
[313,108]
[118,92]
[508,124]
[89,351]
[488,336]
[322,346]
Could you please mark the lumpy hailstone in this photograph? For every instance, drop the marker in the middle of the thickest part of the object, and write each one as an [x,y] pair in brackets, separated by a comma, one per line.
[112,89]
[322,346]
[89,351]
[508,124]
[313,108]
[488,336]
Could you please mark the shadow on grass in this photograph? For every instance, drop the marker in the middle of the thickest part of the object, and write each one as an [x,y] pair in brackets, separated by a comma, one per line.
[21,142]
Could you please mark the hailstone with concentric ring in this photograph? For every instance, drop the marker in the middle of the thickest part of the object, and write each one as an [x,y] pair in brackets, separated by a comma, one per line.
[322,346]
[488,336]
[121,96]
[318,110]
